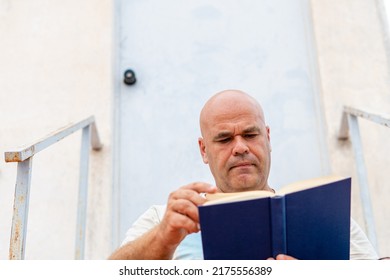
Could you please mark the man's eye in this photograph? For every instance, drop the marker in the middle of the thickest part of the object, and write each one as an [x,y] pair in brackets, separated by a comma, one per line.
[249,136]
[224,140]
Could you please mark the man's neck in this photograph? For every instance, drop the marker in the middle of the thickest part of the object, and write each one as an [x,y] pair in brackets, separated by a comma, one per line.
[265,188]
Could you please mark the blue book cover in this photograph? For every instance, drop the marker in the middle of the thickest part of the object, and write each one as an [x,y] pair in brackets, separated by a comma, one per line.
[309,220]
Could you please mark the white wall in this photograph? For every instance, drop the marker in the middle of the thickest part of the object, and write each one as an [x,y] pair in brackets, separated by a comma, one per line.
[56,68]
[354,71]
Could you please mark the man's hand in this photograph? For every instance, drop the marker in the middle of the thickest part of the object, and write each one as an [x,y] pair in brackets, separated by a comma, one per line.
[282,257]
[181,216]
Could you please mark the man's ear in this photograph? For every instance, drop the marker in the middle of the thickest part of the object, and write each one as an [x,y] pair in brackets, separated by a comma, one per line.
[269,138]
[202,149]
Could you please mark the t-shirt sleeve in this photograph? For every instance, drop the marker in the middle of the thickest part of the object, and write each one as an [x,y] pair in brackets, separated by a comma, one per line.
[144,223]
[360,248]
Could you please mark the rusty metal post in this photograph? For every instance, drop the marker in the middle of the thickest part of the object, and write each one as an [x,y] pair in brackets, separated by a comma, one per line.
[20,216]
[83,193]
[363,179]
[349,128]
[23,156]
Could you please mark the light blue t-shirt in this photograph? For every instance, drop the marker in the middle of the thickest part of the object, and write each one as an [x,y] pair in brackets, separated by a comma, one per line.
[190,248]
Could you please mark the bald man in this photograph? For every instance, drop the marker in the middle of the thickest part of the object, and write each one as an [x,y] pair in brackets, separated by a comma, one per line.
[235,143]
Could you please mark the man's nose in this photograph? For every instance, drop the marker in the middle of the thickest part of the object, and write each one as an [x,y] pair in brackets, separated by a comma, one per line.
[240,146]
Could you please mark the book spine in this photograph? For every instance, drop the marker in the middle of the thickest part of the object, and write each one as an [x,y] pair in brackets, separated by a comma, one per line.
[278,225]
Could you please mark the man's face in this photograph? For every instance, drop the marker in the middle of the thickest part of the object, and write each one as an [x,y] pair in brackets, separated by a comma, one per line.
[236,145]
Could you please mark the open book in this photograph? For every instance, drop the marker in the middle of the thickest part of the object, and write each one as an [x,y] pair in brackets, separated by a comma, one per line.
[307,220]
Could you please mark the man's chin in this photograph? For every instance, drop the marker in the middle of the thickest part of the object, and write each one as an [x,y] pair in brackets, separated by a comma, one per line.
[243,186]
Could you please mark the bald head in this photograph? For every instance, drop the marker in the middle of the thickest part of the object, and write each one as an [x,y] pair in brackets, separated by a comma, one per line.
[235,141]
[222,103]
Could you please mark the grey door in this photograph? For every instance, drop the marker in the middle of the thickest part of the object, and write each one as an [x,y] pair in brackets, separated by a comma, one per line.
[182,52]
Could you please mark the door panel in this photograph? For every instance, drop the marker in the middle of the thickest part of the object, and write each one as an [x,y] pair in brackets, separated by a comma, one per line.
[182,52]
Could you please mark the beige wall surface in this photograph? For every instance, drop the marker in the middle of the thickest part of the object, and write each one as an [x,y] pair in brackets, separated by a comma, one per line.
[354,71]
[55,69]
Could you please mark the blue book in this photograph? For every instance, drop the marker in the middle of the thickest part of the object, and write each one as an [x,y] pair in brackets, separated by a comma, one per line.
[308,220]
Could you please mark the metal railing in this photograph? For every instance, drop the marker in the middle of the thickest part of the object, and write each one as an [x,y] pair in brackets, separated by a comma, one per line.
[23,156]
[349,127]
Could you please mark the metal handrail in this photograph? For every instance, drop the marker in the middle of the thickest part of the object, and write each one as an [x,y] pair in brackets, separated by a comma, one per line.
[349,127]
[23,156]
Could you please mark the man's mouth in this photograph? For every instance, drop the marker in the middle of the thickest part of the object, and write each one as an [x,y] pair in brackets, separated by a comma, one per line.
[242,165]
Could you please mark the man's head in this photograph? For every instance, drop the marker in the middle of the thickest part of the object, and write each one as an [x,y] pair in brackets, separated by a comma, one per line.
[235,142]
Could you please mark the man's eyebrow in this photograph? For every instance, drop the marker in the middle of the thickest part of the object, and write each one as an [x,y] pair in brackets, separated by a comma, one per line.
[227,134]
[222,135]
[252,129]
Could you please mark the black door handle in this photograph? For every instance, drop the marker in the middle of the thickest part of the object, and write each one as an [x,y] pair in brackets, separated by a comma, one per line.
[129,77]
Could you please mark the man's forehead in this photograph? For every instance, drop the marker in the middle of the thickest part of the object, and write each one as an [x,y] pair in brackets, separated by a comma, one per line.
[229,109]
[225,128]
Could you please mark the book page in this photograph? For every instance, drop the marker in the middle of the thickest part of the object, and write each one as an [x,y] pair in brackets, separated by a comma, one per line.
[307,184]
[218,198]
